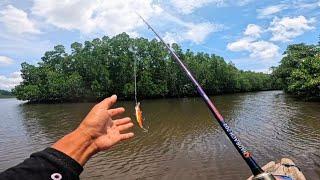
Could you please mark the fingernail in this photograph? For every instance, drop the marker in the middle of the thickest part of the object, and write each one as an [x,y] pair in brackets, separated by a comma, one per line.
[114,96]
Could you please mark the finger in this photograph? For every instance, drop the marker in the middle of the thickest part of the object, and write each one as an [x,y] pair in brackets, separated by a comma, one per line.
[119,122]
[116,111]
[126,136]
[108,102]
[125,126]
[269,166]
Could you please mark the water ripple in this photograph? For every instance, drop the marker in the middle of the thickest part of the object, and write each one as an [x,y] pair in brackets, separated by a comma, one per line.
[183,142]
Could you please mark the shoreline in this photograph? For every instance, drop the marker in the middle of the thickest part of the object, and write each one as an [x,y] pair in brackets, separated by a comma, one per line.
[141,98]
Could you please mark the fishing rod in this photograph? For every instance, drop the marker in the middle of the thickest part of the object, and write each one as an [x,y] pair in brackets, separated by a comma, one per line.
[258,173]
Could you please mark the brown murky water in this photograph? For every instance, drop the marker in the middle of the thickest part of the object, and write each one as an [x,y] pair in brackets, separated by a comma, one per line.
[183,142]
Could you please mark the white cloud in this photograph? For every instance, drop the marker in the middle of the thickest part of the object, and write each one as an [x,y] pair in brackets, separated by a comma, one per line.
[94,16]
[262,50]
[240,45]
[188,6]
[171,38]
[244,2]
[287,28]
[4,2]
[17,21]
[133,34]
[9,82]
[196,33]
[249,64]
[307,5]
[23,46]
[253,30]
[4,61]
[271,10]
[258,49]
[19,34]
[189,31]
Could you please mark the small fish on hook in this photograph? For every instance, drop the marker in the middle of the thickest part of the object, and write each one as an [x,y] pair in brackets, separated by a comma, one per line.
[139,116]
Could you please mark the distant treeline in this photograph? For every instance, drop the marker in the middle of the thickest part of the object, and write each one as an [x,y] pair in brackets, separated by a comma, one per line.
[4,93]
[102,67]
[299,71]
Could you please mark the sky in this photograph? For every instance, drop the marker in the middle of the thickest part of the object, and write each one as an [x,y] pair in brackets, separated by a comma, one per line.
[252,34]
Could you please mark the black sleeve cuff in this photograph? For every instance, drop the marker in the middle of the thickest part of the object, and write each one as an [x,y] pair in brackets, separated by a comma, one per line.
[61,160]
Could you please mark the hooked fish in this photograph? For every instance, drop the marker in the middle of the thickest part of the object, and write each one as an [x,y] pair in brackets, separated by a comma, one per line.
[139,115]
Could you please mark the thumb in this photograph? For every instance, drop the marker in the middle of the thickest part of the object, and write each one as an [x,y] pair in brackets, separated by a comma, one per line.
[108,102]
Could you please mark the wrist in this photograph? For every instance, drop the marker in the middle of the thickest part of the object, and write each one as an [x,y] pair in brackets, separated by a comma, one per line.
[78,145]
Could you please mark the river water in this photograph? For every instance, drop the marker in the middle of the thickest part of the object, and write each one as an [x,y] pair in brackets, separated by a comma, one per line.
[183,142]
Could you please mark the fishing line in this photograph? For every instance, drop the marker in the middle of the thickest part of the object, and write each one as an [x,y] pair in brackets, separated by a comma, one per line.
[138,111]
[135,78]
[258,173]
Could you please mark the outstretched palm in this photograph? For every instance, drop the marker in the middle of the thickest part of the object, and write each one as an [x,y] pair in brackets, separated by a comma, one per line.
[103,130]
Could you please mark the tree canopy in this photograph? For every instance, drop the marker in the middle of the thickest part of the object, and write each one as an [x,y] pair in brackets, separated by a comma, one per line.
[299,71]
[102,67]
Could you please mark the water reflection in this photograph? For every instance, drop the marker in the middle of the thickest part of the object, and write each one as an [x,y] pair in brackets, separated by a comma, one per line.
[52,120]
[183,141]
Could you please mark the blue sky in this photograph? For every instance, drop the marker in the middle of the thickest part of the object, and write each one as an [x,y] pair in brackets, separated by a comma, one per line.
[252,34]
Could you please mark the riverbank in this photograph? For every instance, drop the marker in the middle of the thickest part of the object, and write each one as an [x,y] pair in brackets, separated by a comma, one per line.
[5,96]
[84,100]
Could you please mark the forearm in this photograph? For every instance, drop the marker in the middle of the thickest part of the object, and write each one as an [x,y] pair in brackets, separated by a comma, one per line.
[78,145]
[46,164]
[67,156]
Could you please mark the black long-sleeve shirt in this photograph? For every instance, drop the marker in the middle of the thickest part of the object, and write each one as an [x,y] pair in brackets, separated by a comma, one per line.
[47,164]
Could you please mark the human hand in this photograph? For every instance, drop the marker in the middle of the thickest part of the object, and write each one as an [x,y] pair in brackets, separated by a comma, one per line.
[98,131]
[102,129]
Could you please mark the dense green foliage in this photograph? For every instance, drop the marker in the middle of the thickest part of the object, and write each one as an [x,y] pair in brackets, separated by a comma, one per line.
[299,71]
[104,66]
